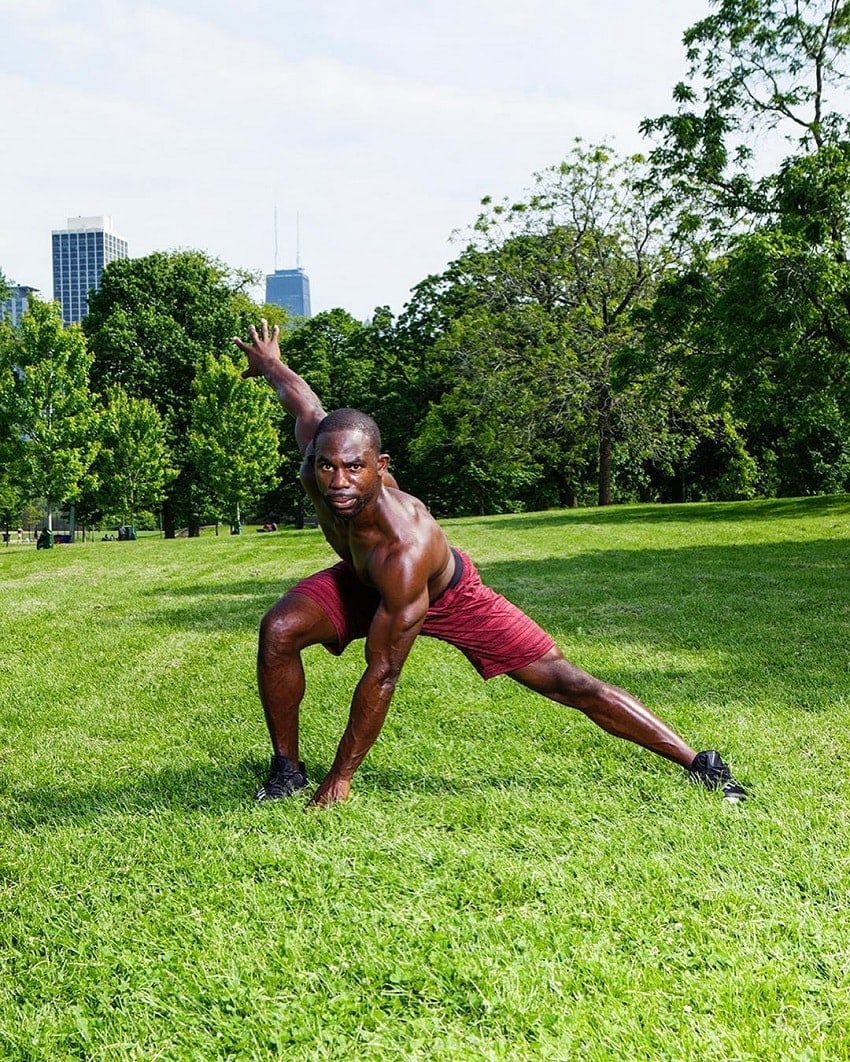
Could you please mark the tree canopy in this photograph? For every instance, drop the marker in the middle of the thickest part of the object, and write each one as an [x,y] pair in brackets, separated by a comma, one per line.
[153,321]
[49,417]
[233,440]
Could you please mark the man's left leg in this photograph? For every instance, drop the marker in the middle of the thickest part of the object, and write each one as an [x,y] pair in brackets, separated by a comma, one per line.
[611,708]
[621,714]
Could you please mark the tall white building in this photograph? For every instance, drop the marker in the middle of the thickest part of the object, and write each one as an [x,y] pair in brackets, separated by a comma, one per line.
[80,253]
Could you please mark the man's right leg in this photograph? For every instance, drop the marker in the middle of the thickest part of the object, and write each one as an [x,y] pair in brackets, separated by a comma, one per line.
[290,625]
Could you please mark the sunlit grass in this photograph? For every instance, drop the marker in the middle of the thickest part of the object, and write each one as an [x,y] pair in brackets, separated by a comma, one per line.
[507,882]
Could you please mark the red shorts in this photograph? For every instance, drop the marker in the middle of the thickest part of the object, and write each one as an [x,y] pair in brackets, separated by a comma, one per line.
[494,635]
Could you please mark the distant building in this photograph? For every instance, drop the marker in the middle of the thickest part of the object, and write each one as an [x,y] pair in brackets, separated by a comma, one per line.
[289,288]
[80,253]
[14,308]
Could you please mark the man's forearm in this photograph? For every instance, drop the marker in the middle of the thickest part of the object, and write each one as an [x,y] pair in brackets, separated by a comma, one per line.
[369,708]
[294,393]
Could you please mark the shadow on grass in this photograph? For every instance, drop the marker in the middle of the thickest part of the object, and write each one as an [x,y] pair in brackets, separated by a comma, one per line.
[217,789]
[699,587]
[775,508]
[208,788]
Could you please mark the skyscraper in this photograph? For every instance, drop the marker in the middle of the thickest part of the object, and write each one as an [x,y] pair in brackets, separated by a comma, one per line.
[80,253]
[289,288]
[15,306]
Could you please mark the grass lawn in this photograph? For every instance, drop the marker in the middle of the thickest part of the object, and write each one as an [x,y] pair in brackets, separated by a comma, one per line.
[507,882]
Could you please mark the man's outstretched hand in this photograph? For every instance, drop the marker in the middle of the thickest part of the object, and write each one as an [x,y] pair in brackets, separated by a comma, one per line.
[263,351]
[331,791]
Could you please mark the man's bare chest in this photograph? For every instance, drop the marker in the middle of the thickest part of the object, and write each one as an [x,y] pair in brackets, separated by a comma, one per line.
[349,546]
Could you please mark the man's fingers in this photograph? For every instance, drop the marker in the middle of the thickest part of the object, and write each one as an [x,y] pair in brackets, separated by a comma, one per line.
[257,337]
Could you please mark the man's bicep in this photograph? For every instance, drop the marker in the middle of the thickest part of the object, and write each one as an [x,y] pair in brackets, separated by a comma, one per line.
[401,613]
[305,427]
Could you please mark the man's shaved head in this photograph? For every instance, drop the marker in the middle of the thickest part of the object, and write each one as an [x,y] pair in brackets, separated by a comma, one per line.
[350,420]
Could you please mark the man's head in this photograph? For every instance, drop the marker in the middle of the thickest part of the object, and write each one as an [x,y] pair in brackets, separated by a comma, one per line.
[351,420]
[348,461]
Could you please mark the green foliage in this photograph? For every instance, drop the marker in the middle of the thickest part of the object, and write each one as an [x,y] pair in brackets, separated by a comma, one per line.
[134,463]
[152,322]
[534,334]
[49,418]
[233,441]
[154,319]
[762,335]
[753,66]
[762,329]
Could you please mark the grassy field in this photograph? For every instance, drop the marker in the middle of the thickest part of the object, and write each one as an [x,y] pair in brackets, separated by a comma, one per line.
[507,882]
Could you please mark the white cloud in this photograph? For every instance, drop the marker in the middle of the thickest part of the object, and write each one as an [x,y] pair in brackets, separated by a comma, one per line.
[382,124]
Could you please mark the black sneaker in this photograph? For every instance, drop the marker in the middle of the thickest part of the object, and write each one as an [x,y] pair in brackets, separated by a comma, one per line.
[284,779]
[709,770]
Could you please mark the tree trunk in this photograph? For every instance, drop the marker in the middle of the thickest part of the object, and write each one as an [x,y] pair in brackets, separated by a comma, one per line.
[567,493]
[605,447]
[681,490]
[168,522]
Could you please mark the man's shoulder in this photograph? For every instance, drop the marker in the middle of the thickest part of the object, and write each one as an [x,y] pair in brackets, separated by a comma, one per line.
[409,504]
[307,475]
[414,542]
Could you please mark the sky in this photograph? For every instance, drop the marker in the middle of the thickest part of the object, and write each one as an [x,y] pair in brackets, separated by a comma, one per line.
[353,137]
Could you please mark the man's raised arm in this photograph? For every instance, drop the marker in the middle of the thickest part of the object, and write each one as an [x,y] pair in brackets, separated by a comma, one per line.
[295,394]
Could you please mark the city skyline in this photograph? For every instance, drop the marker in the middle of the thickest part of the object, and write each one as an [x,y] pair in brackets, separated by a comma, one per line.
[288,288]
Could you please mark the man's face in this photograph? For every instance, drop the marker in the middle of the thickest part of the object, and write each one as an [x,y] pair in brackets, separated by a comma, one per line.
[348,471]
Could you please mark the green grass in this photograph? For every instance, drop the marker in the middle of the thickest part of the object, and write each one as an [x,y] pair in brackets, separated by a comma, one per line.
[507,882]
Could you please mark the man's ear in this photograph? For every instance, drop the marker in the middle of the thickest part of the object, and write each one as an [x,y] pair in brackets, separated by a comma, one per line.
[383,463]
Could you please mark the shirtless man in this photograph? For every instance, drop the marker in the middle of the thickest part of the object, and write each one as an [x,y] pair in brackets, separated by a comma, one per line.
[398,578]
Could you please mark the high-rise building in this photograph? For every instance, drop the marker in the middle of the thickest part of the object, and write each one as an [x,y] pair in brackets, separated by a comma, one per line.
[80,253]
[14,308]
[289,288]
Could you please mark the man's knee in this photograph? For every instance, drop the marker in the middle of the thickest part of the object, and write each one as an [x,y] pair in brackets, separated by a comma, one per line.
[555,677]
[290,625]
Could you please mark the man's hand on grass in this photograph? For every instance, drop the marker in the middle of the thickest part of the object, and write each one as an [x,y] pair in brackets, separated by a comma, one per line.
[331,791]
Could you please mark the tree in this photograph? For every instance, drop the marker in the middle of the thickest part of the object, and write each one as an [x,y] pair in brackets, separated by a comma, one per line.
[153,320]
[769,333]
[530,326]
[754,66]
[233,440]
[49,418]
[134,464]
[9,482]
[766,337]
